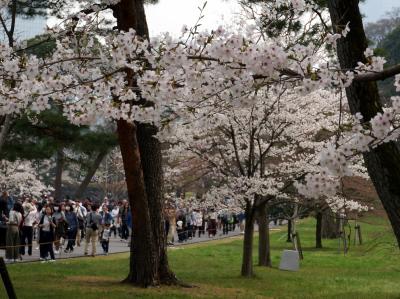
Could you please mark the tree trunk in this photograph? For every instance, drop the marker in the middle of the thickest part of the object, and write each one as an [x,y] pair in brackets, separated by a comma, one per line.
[383,162]
[59,171]
[143,266]
[318,230]
[247,262]
[4,130]
[89,175]
[264,250]
[329,225]
[148,236]
[150,151]
[289,231]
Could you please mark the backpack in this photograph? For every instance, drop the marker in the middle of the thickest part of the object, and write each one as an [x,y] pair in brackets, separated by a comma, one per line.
[93,225]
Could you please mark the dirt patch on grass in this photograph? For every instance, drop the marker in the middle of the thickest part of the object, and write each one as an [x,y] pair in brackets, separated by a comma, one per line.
[104,283]
[90,280]
[208,291]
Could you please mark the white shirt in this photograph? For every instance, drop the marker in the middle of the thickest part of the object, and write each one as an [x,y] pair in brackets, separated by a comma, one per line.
[82,212]
[179,224]
[46,223]
[213,216]
[14,217]
[198,219]
[115,212]
[30,217]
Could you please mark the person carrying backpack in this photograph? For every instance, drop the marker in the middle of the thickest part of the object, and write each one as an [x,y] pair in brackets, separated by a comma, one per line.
[93,222]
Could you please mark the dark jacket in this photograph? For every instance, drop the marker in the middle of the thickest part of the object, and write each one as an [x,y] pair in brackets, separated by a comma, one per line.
[72,220]
[106,218]
[4,212]
[51,227]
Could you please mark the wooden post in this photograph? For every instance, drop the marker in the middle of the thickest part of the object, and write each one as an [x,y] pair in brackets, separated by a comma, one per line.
[6,280]
[355,233]
[358,234]
[299,248]
[345,245]
[297,244]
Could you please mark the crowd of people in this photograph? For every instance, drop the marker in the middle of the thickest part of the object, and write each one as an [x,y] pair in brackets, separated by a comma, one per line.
[51,225]
[57,224]
[191,222]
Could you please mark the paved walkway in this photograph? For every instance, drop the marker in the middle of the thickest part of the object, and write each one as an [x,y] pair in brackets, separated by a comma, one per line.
[117,246]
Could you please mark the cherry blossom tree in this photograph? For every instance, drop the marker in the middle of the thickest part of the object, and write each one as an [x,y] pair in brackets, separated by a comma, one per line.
[21,178]
[381,158]
[123,76]
[256,150]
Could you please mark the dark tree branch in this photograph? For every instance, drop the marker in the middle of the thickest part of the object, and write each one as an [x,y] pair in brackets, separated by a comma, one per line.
[378,76]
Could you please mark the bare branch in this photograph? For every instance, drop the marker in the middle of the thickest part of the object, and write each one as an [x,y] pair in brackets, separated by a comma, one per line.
[378,76]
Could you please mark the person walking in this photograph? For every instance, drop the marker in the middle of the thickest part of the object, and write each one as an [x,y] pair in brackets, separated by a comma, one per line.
[123,219]
[197,222]
[46,234]
[13,230]
[72,229]
[4,210]
[105,238]
[9,201]
[212,223]
[27,226]
[93,220]
[106,217]
[115,225]
[61,224]
[81,213]
[106,220]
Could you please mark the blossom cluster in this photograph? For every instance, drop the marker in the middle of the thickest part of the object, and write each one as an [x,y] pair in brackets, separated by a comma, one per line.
[340,205]
[20,178]
[284,141]
[223,82]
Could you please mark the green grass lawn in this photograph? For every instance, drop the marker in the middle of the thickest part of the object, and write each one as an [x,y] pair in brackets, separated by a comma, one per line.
[368,271]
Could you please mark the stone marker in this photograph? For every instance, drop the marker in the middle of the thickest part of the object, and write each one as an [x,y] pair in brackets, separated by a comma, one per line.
[290,260]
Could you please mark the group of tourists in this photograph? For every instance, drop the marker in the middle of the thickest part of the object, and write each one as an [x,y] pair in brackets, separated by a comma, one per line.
[187,223]
[55,225]
[51,226]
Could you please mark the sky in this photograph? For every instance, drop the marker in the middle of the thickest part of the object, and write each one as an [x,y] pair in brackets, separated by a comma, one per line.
[376,9]
[171,15]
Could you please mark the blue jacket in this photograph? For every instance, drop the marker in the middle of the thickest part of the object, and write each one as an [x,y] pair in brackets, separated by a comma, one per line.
[10,203]
[106,218]
[129,218]
[72,220]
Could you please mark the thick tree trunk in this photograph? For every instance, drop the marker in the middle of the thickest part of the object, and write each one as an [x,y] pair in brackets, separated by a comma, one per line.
[383,162]
[247,261]
[150,151]
[148,240]
[318,230]
[143,263]
[289,231]
[264,250]
[58,176]
[89,175]
[329,225]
